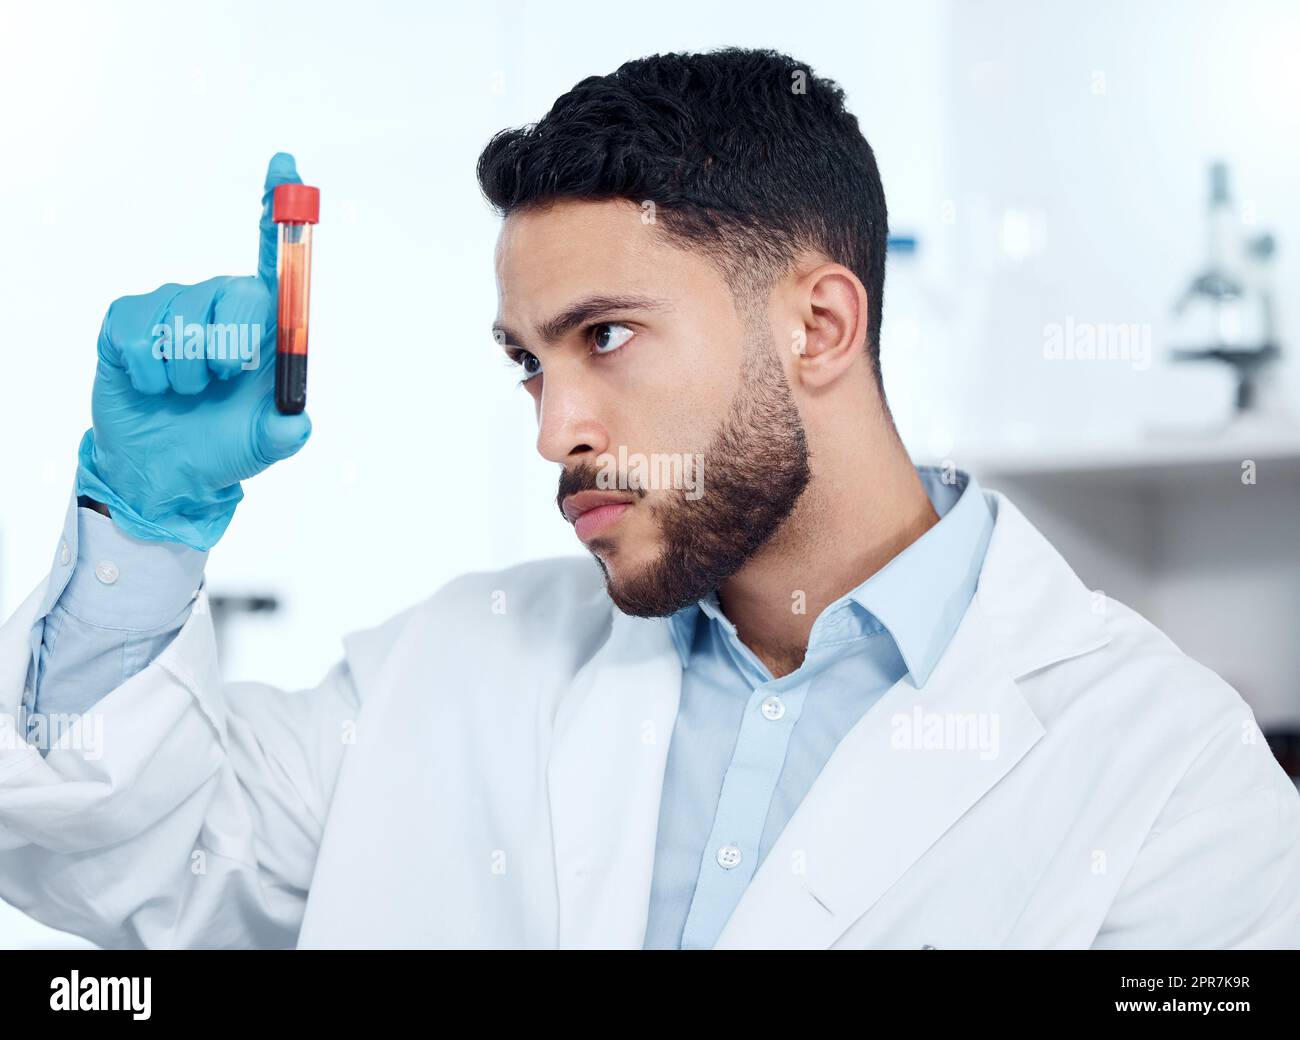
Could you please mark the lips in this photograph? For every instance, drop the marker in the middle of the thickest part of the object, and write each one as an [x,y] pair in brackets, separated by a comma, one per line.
[591,512]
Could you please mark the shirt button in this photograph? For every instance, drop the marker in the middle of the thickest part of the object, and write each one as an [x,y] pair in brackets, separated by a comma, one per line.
[65,554]
[773,708]
[728,856]
[106,571]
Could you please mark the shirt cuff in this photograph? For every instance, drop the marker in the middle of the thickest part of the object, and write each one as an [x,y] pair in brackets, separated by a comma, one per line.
[125,583]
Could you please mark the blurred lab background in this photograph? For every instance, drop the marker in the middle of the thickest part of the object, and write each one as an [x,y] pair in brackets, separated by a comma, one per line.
[1091,296]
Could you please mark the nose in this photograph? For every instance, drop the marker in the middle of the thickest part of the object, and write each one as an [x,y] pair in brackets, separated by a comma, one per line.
[569,430]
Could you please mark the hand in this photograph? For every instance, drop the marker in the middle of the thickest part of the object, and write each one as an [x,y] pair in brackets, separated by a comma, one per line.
[180,421]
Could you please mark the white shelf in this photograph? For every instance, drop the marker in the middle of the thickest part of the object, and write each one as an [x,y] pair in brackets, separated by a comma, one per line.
[1176,460]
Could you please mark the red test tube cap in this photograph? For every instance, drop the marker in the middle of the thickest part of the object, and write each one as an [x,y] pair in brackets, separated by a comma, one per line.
[295,204]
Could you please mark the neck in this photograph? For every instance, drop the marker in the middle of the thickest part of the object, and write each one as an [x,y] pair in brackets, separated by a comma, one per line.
[860,510]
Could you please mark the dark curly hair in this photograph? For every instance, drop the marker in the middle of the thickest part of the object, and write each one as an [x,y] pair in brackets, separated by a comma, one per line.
[746,154]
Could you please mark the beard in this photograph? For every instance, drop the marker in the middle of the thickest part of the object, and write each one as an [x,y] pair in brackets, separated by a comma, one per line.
[755,470]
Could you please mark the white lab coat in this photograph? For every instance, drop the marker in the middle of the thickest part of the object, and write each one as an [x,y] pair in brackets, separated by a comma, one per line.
[485,771]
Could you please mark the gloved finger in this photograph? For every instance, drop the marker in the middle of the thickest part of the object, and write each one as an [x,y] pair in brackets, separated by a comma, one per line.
[278,436]
[189,314]
[243,319]
[281,170]
[134,339]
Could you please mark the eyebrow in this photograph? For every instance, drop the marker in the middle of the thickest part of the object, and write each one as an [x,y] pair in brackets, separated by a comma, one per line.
[557,327]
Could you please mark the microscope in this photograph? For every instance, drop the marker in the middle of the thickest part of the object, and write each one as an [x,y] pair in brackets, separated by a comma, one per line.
[1227,312]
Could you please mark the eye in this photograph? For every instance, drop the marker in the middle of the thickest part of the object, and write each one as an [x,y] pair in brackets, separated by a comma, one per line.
[609,336]
[530,363]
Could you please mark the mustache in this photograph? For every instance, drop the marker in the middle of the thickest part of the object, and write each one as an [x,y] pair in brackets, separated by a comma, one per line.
[584,477]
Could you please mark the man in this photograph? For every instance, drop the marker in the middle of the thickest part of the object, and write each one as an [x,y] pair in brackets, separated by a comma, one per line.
[811,696]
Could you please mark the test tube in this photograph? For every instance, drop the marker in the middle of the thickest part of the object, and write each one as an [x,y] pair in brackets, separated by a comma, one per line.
[295,207]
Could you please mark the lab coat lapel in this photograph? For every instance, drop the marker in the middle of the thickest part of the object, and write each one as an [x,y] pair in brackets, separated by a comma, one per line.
[605,777]
[879,803]
[886,795]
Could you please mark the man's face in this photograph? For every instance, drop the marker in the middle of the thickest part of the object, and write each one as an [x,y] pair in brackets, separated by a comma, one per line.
[682,450]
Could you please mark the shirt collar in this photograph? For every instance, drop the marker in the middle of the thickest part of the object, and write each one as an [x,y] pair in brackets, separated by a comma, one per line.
[683,624]
[921,594]
[919,597]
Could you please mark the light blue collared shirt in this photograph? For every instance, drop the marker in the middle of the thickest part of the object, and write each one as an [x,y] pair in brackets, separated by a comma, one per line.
[746,747]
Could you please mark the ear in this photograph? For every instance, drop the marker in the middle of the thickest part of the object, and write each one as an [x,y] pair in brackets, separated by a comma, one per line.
[832,308]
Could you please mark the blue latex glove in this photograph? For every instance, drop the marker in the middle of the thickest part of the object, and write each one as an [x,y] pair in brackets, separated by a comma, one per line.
[173,438]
